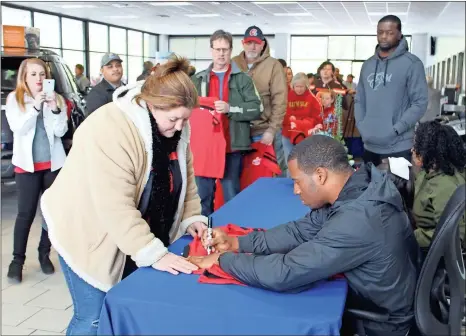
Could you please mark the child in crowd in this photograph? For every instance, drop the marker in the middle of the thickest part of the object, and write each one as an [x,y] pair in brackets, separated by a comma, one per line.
[302,112]
[328,122]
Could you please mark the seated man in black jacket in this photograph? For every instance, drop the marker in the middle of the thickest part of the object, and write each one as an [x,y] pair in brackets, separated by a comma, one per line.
[357,227]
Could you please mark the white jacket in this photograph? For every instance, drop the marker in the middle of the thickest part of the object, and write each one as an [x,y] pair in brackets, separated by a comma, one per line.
[23,126]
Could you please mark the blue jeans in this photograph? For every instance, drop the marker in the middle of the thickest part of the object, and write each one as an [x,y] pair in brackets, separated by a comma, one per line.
[87,303]
[230,183]
[278,148]
[287,147]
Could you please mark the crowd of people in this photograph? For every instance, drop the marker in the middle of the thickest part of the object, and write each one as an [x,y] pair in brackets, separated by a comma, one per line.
[135,189]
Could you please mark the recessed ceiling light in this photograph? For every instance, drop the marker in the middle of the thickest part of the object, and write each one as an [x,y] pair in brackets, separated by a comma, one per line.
[170,4]
[314,23]
[201,15]
[274,2]
[124,5]
[385,13]
[293,14]
[121,17]
[75,6]
[215,3]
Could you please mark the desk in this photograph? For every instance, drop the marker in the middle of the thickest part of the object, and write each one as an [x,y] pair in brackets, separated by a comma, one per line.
[158,303]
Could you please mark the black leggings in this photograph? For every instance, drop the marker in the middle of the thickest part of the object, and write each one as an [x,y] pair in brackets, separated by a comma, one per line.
[30,186]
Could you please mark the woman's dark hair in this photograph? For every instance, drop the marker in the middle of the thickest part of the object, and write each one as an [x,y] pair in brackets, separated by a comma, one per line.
[405,188]
[324,64]
[310,75]
[439,147]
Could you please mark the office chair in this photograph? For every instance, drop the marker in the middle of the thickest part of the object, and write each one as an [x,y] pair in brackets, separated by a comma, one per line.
[442,274]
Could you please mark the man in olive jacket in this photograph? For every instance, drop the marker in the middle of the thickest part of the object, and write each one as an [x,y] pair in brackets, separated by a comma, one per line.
[239,104]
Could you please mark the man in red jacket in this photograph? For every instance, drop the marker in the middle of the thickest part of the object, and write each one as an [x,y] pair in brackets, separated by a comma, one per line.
[236,104]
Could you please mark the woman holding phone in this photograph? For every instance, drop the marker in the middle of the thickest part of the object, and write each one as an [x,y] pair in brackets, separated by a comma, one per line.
[38,120]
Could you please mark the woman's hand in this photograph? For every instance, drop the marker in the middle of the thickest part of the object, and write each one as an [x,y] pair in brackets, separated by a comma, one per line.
[40,98]
[174,264]
[292,125]
[220,242]
[196,229]
[52,101]
[292,118]
[205,262]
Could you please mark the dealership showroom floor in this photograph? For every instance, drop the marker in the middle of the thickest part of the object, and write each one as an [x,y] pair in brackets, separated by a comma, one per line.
[41,304]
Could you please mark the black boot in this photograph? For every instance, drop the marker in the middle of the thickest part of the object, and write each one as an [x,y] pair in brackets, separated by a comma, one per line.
[15,272]
[45,264]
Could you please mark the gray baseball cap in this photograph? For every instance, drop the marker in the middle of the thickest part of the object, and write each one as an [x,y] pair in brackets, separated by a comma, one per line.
[108,57]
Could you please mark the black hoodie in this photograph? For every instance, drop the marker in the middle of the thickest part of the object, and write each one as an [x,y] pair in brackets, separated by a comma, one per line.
[365,234]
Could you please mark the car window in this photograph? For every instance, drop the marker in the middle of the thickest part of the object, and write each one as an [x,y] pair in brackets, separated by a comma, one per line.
[9,73]
[70,77]
[61,82]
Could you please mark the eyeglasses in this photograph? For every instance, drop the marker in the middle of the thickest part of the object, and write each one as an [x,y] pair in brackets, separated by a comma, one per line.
[221,50]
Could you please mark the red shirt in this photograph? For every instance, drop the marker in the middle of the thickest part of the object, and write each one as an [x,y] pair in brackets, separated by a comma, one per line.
[38,166]
[215,274]
[214,91]
[207,139]
[302,107]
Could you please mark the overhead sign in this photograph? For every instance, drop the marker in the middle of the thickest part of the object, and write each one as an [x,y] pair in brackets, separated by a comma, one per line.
[18,38]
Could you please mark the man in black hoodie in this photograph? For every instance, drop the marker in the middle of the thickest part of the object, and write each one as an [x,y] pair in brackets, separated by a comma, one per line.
[358,227]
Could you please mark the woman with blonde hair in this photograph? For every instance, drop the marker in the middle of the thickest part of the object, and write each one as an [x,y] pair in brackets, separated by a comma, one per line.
[131,176]
[38,121]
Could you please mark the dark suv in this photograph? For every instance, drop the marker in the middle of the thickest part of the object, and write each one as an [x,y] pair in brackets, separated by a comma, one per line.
[64,85]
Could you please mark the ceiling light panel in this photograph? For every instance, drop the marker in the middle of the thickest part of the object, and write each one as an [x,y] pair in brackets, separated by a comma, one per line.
[293,14]
[169,4]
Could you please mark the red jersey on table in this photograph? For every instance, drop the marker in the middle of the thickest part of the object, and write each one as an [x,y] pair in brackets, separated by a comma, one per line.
[207,140]
[262,162]
[305,107]
[215,275]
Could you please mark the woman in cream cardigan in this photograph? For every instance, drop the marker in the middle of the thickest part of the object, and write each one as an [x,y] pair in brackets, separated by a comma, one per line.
[127,190]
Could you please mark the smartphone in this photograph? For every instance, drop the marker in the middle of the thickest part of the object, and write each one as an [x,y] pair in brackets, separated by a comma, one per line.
[48,85]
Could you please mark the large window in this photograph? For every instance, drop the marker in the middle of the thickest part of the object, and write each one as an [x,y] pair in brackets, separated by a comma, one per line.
[197,49]
[16,17]
[132,46]
[49,26]
[347,52]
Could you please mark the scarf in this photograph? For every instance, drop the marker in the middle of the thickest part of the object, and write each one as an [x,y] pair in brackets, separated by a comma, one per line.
[161,206]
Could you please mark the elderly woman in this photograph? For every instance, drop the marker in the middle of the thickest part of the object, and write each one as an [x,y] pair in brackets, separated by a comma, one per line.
[302,112]
[133,191]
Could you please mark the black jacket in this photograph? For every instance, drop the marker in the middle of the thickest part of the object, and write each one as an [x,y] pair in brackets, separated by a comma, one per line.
[365,234]
[100,95]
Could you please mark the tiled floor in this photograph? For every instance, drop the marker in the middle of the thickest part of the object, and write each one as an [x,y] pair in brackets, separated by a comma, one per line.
[41,304]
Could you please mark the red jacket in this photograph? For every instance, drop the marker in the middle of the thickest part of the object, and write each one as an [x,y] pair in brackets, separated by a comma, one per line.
[305,107]
[207,141]
[262,162]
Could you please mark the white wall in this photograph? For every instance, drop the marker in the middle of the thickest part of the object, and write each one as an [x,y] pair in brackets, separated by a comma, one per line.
[419,47]
[282,46]
[446,47]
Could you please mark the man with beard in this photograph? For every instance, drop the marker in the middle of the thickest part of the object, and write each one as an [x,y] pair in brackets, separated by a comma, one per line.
[391,97]
[269,79]
[101,94]
[357,227]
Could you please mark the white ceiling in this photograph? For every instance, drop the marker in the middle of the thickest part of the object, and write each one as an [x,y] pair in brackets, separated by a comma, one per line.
[295,17]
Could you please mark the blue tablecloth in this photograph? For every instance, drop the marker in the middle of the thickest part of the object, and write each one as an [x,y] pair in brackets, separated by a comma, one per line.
[158,303]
